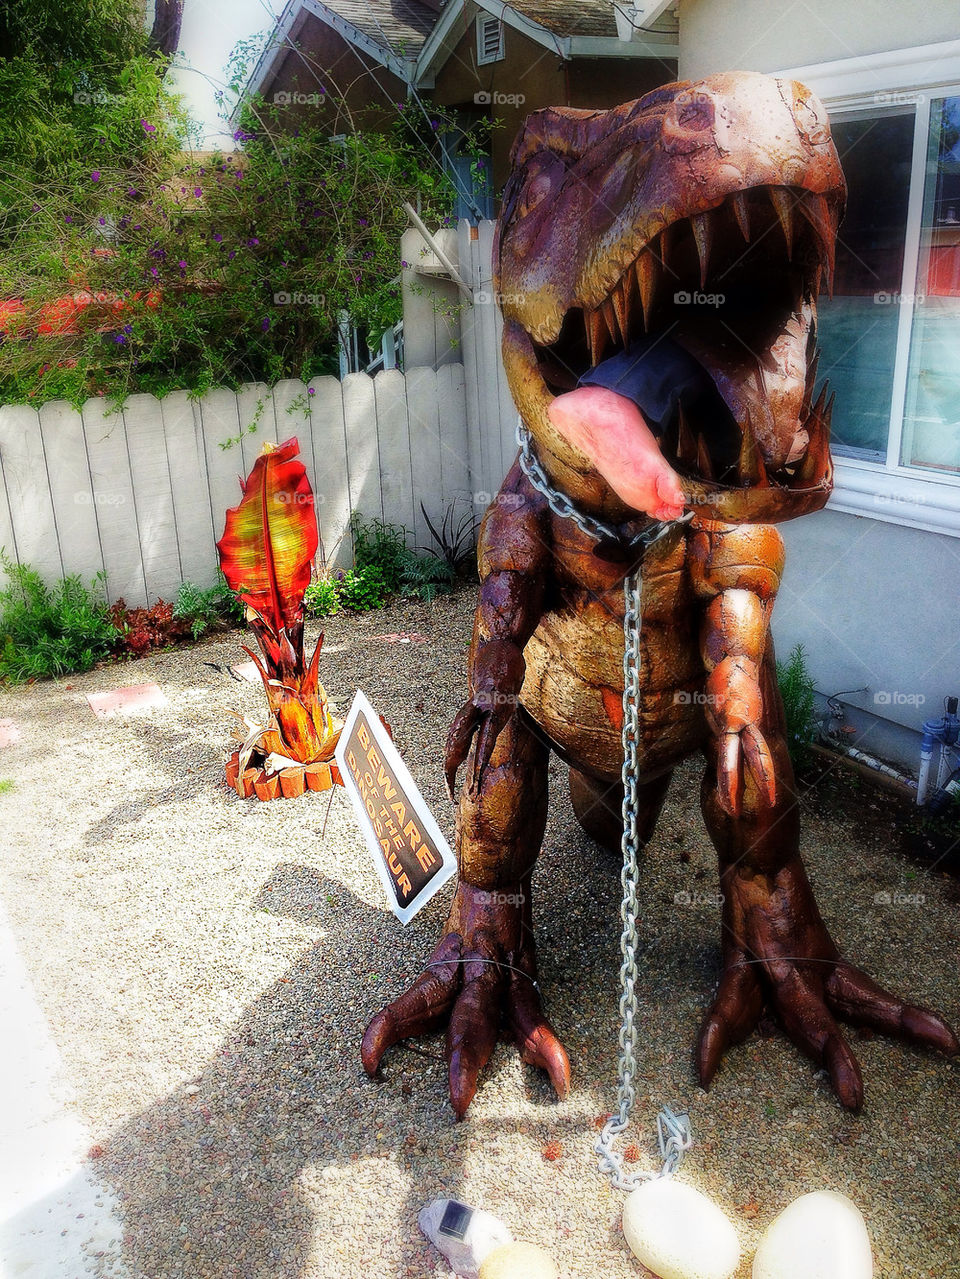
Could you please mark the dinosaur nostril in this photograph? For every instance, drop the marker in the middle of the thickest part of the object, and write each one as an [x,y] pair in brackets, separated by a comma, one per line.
[696,115]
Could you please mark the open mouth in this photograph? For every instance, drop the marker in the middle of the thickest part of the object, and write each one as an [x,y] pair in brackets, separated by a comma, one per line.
[735,286]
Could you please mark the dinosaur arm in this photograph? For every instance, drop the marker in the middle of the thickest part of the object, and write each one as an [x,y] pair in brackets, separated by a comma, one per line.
[514,557]
[737,571]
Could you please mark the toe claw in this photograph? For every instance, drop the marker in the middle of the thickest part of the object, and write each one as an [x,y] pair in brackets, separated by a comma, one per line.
[844,1071]
[711,1046]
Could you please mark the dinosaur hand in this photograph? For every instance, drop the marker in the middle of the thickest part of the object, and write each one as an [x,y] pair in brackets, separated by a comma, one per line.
[733,709]
[497,679]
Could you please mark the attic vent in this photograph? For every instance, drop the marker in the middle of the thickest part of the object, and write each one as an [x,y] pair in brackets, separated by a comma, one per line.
[489,39]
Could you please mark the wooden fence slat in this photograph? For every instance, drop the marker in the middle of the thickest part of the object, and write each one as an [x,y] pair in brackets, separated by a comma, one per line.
[71,489]
[153,497]
[331,477]
[426,447]
[221,424]
[473,371]
[456,483]
[28,493]
[255,408]
[190,489]
[114,503]
[393,440]
[360,428]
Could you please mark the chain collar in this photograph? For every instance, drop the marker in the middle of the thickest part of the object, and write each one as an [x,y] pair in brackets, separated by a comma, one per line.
[610,537]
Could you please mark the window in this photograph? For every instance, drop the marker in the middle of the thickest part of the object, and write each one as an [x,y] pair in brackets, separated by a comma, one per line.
[890,336]
[489,39]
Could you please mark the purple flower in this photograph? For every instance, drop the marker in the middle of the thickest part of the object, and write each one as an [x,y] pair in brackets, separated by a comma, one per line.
[265,323]
[95,175]
[68,218]
[148,128]
[102,221]
[311,390]
[198,192]
[216,236]
[154,272]
[252,242]
[182,265]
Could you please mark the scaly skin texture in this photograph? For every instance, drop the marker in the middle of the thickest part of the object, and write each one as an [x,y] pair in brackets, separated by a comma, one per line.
[607,219]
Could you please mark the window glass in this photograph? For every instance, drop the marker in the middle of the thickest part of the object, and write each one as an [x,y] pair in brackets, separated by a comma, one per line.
[858,326]
[931,423]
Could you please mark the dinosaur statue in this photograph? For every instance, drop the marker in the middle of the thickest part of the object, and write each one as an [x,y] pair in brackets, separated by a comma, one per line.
[614,226]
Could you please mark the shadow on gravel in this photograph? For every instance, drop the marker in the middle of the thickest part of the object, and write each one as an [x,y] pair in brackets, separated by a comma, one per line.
[236,1173]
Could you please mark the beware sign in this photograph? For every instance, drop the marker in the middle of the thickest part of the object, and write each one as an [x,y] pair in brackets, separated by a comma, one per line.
[411,855]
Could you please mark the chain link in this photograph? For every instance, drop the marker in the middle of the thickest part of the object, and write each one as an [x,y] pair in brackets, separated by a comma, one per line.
[673,1130]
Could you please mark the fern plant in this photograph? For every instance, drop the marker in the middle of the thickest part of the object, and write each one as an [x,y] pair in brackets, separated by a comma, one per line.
[797,691]
[50,630]
[204,609]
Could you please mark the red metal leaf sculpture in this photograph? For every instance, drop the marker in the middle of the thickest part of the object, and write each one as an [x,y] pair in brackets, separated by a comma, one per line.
[266,554]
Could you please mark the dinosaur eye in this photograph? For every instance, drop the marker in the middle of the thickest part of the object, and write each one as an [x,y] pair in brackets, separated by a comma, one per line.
[535,192]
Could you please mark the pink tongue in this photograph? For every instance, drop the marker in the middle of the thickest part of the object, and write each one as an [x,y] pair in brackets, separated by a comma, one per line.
[611,431]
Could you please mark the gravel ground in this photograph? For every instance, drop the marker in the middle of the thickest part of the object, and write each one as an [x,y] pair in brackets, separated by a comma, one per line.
[207,965]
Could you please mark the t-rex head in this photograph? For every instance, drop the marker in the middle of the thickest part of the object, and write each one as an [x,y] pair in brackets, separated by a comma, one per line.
[614,221]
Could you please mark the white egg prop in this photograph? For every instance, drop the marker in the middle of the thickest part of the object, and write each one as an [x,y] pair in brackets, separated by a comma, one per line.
[678,1233]
[819,1236]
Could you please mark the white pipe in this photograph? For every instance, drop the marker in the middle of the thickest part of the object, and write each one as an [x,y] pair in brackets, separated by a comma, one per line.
[871,761]
[445,262]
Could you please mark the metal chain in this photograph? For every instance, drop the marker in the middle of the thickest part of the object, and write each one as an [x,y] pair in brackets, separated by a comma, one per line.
[673,1129]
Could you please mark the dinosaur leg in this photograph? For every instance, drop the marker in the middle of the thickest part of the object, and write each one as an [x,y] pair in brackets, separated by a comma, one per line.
[599,807]
[777,952]
[484,969]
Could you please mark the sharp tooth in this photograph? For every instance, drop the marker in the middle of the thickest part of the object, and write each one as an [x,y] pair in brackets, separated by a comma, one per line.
[814,461]
[703,235]
[686,445]
[783,203]
[597,336]
[621,305]
[668,241]
[752,472]
[647,270]
[704,464]
[817,212]
[811,383]
[742,214]
[610,318]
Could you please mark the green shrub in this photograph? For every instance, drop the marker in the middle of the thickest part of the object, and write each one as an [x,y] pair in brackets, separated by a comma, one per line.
[381,547]
[797,691]
[50,630]
[426,576]
[322,597]
[364,588]
[204,609]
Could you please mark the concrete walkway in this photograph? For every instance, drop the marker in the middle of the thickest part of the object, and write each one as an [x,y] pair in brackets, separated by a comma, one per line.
[56,1220]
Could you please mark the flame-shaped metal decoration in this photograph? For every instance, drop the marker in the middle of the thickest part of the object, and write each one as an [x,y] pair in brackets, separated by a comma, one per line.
[266,554]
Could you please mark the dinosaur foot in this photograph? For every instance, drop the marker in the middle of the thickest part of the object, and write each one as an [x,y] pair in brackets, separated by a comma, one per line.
[481,975]
[779,957]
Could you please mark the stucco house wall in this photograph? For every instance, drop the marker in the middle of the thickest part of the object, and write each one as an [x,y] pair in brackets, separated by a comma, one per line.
[875,600]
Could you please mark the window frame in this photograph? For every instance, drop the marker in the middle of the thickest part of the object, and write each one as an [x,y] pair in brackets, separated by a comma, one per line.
[918,497]
[483,22]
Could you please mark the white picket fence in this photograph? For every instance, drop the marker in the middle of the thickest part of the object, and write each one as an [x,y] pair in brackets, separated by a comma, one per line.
[140,494]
